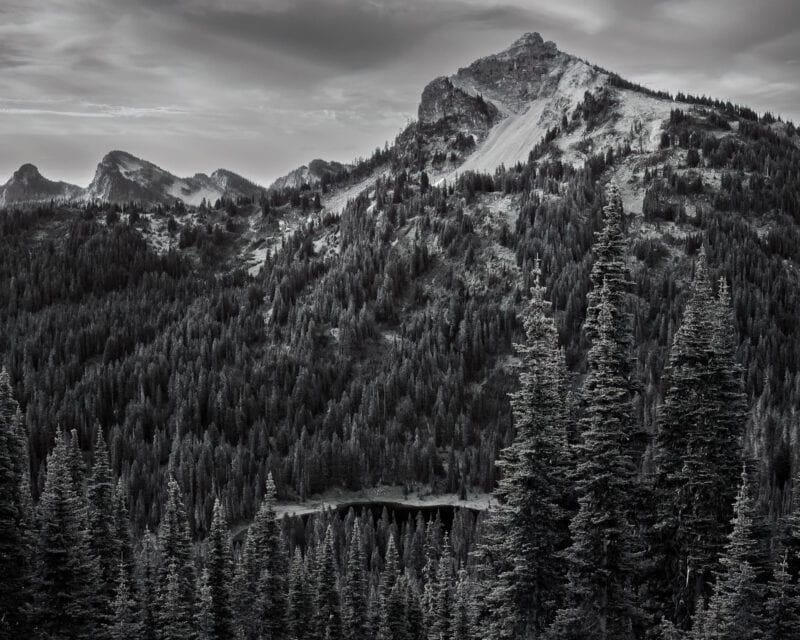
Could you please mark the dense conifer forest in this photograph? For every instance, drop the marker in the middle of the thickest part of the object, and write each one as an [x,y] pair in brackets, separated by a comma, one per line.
[625,386]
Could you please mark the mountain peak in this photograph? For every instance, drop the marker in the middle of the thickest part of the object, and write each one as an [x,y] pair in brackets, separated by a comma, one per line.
[27,172]
[530,39]
[117,155]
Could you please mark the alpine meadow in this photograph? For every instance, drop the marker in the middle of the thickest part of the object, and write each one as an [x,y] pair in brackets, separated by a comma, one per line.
[528,371]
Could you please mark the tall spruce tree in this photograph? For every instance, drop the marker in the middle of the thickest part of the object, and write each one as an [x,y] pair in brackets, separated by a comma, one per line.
[15,518]
[443,594]
[147,584]
[300,601]
[126,622]
[175,613]
[461,625]
[609,270]
[262,570]
[697,450]
[219,570]
[788,533]
[355,615]
[526,530]
[102,532]
[204,620]
[600,559]
[782,607]
[122,528]
[735,609]
[176,569]
[328,614]
[65,573]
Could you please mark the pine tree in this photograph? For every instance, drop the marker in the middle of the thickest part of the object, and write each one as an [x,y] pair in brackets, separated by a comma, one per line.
[609,270]
[122,528]
[394,624]
[204,618]
[65,574]
[176,598]
[443,602]
[126,622]
[355,620]
[14,517]
[263,561]
[300,601]
[104,544]
[783,605]
[391,567]
[414,615]
[219,568]
[461,624]
[147,585]
[175,613]
[327,615]
[734,611]
[697,450]
[525,531]
[600,559]
[788,534]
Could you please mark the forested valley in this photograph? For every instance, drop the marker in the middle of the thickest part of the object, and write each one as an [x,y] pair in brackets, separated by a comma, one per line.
[625,385]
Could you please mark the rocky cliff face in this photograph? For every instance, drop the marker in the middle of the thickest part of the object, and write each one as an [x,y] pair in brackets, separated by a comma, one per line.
[28,185]
[441,100]
[529,69]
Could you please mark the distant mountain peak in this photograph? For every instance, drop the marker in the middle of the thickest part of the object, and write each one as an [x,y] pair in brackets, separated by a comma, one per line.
[27,171]
[311,174]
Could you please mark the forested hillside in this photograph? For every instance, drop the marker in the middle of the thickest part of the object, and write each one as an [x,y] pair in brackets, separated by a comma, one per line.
[611,346]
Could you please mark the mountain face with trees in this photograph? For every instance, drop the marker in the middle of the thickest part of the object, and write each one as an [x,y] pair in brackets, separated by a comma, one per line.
[602,334]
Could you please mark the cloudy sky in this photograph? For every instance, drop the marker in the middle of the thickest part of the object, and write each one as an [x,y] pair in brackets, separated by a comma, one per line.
[261,86]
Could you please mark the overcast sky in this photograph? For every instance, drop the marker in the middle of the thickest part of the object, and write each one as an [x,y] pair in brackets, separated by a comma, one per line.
[262,86]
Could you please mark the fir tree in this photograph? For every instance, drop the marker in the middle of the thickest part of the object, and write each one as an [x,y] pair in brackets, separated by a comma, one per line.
[262,571]
[355,620]
[204,618]
[300,601]
[443,595]
[327,615]
[600,559]
[14,517]
[609,270]
[102,533]
[788,534]
[698,449]
[126,622]
[147,585]
[176,564]
[414,615]
[175,614]
[461,624]
[783,605]
[219,569]
[525,531]
[65,575]
[394,625]
[122,528]
[734,611]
